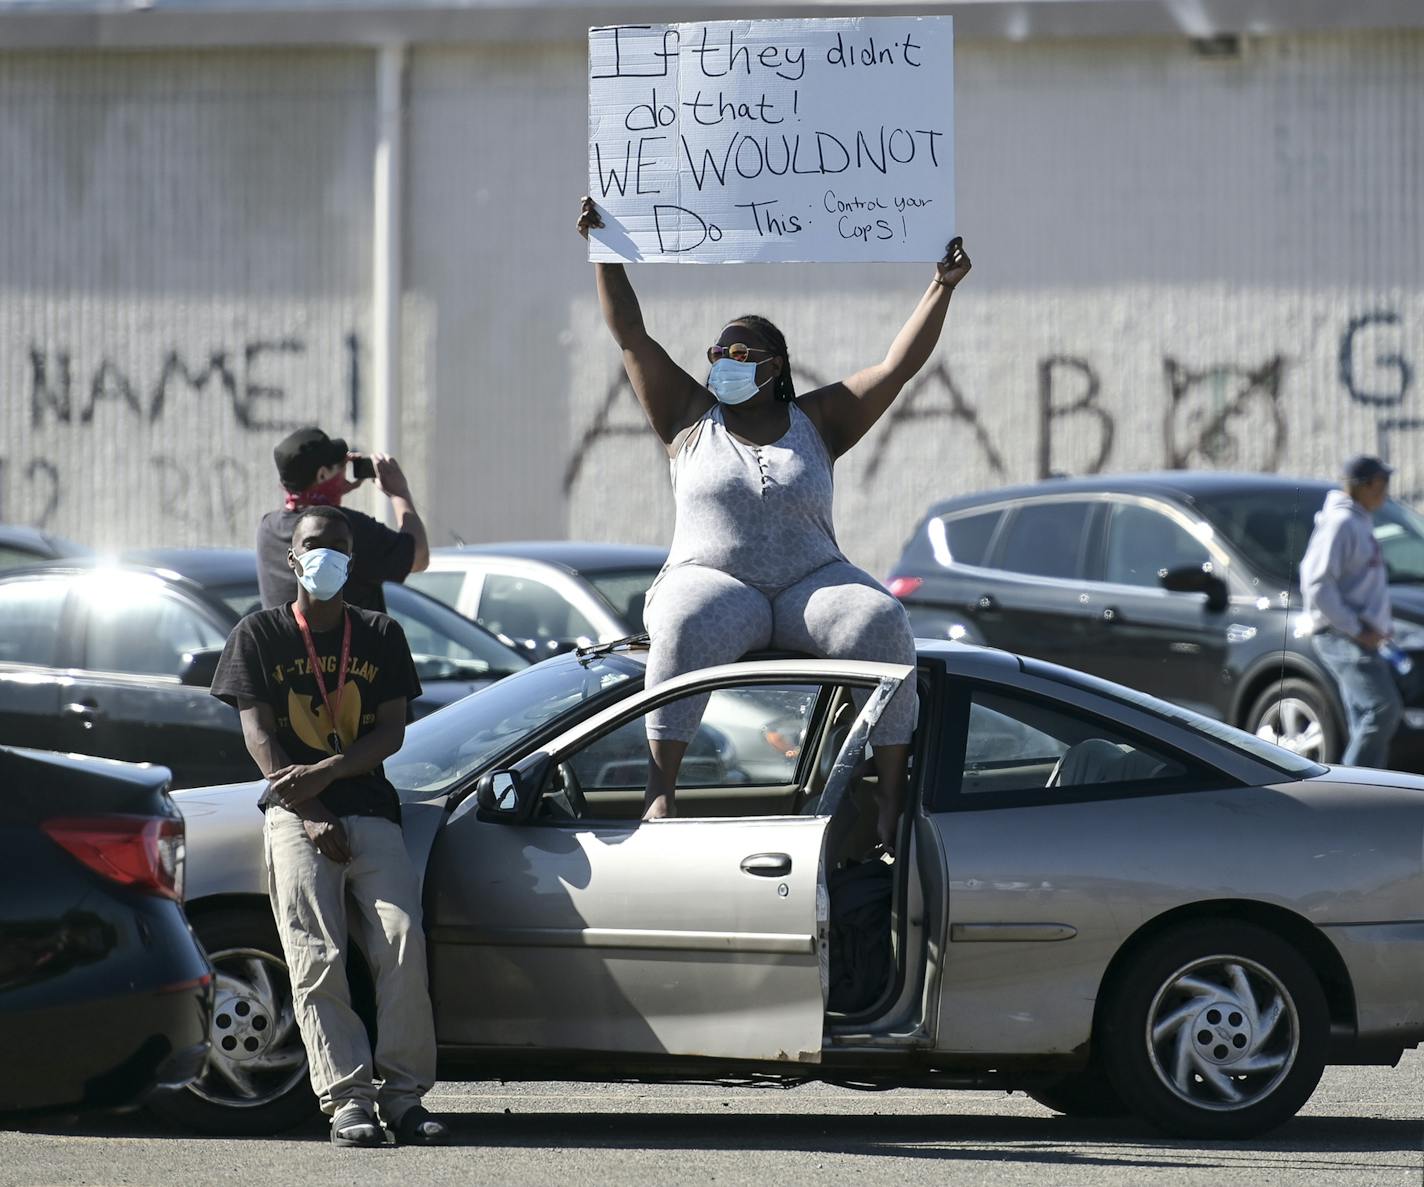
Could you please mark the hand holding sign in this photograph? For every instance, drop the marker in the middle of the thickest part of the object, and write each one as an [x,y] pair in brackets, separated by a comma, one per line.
[772,140]
[589,218]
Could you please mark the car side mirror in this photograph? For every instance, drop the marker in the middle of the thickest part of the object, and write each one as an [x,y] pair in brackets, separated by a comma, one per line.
[498,795]
[1197,579]
[199,667]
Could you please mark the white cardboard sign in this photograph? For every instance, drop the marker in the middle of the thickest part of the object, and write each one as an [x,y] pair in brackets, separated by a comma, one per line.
[731,141]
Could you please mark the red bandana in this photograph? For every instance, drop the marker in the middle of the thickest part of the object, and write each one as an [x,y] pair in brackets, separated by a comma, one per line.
[323,494]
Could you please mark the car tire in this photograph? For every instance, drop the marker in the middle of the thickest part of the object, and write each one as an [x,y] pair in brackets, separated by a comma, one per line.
[1200,1001]
[1087,1093]
[256,1078]
[1301,711]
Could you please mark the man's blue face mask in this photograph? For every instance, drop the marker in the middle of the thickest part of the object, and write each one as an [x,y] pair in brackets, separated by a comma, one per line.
[322,572]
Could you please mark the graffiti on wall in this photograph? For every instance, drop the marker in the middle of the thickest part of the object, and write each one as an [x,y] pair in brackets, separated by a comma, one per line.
[1229,415]
[250,387]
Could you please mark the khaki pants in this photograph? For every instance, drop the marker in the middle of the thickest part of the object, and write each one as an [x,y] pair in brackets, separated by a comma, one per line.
[309,899]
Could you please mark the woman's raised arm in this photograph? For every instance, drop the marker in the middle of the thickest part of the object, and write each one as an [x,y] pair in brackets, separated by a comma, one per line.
[671,398]
[846,411]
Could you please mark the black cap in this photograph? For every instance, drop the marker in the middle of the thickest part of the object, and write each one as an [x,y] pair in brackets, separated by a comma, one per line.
[300,455]
[1363,468]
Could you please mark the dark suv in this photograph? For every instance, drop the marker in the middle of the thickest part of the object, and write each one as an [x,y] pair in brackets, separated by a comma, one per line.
[1181,584]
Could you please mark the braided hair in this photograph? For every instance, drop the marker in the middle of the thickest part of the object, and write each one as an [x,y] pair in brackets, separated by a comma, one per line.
[784,389]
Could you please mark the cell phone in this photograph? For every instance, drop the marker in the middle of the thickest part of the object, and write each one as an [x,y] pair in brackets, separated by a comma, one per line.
[362,467]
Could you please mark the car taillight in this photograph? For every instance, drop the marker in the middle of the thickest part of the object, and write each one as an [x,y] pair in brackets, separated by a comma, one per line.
[903,587]
[144,852]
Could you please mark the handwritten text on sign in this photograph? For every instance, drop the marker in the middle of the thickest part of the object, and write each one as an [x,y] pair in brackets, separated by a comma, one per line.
[773,140]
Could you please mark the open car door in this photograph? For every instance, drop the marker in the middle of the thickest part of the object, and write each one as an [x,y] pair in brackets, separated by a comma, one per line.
[689,936]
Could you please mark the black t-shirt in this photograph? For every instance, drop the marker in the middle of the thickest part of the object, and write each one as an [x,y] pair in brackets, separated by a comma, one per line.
[378,554]
[265,660]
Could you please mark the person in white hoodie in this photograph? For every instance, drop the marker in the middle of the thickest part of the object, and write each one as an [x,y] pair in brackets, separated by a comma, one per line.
[1346,589]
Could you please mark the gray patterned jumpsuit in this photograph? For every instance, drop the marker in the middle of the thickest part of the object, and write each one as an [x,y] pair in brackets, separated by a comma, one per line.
[755,564]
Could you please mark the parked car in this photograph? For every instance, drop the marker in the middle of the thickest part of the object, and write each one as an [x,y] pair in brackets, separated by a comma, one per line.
[116,660]
[546,596]
[105,994]
[1181,584]
[21,546]
[1104,899]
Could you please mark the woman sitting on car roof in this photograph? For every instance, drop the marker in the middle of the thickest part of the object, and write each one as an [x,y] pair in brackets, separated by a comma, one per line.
[754,560]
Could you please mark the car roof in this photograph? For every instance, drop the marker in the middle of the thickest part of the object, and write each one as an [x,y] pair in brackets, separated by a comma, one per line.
[961,659]
[77,566]
[1175,484]
[578,556]
[41,543]
[203,566]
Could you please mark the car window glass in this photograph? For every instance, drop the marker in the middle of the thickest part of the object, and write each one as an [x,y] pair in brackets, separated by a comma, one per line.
[242,599]
[443,585]
[625,594]
[963,540]
[445,645]
[1045,540]
[747,737]
[143,631]
[1024,745]
[445,748]
[1144,545]
[1400,533]
[521,608]
[13,558]
[30,613]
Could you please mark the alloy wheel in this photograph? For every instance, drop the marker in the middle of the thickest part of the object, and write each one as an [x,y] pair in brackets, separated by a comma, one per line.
[257,1054]
[1294,725]
[1222,1033]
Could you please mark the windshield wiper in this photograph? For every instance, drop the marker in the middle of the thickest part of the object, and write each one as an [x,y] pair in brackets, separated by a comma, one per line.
[627,643]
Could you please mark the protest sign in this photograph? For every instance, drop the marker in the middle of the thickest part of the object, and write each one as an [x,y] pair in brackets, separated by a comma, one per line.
[774,140]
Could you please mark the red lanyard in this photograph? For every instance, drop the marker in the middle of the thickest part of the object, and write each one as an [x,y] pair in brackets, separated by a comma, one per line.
[333,739]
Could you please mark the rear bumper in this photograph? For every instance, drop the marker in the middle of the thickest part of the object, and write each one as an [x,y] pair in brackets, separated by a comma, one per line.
[1386,966]
[106,1035]
[181,1068]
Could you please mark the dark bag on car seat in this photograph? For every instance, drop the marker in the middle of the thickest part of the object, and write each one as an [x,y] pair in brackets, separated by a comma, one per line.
[862,959]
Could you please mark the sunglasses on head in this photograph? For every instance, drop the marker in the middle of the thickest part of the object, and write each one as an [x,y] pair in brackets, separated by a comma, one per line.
[738,352]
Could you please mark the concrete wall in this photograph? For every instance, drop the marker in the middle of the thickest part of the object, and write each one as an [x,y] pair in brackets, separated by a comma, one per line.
[1179,261]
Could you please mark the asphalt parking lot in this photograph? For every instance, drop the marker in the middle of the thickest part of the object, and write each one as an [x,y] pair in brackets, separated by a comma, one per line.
[1362,1126]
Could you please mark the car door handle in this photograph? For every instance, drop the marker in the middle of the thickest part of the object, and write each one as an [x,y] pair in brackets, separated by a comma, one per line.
[767,865]
[86,711]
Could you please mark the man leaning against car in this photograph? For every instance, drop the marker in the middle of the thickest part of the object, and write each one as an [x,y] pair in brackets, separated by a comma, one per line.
[1346,590]
[321,688]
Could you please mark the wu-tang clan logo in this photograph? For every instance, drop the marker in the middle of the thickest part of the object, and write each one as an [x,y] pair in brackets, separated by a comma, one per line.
[312,723]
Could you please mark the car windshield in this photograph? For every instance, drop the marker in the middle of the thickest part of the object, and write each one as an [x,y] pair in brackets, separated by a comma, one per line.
[444,645]
[1270,529]
[1285,761]
[625,593]
[446,747]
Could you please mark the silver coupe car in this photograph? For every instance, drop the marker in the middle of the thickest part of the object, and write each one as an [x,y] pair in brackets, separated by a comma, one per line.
[1101,899]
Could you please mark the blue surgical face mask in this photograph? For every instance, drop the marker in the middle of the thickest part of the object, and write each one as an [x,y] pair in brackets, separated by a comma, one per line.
[733,382]
[322,572]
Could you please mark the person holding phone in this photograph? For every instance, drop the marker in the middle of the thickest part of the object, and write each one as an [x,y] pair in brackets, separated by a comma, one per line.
[754,560]
[312,468]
